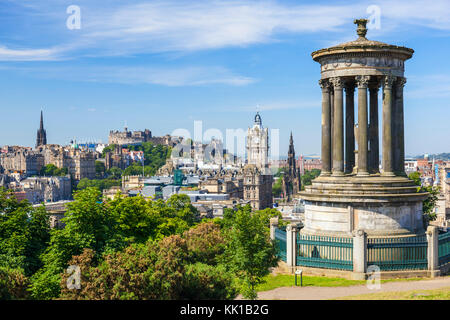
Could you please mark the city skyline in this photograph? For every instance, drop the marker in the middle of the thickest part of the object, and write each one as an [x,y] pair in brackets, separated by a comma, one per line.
[120,67]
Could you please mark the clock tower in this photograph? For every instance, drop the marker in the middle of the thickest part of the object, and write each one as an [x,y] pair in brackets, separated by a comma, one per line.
[258,144]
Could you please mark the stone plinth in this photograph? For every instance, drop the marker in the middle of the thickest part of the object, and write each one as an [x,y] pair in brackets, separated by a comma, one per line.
[380,206]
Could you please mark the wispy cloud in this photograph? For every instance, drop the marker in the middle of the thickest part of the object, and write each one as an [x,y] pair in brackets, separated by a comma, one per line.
[141,27]
[435,86]
[7,54]
[166,76]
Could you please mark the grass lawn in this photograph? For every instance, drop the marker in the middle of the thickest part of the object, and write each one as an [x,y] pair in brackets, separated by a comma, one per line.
[288,280]
[436,294]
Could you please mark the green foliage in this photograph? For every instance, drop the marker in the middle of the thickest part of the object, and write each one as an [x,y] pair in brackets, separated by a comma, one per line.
[51,170]
[155,157]
[114,173]
[415,176]
[24,233]
[308,176]
[171,268]
[429,204]
[277,187]
[250,253]
[13,284]
[100,169]
[100,184]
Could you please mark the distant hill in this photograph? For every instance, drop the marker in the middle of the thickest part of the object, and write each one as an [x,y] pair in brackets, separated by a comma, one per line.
[438,156]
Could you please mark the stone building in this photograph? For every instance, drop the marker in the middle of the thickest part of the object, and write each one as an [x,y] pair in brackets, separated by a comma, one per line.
[257,176]
[258,144]
[42,189]
[257,187]
[129,137]
[137,137]
[22,160]
[115,158]
[80,163]
[352,195]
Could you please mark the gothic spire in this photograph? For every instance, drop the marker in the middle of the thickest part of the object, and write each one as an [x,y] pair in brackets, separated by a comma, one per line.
[41,126]
[41,138]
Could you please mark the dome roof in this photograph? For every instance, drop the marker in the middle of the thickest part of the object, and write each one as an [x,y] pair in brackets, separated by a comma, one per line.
[362,44]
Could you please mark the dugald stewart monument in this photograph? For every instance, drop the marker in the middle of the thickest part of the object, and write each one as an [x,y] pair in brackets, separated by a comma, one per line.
[353,192]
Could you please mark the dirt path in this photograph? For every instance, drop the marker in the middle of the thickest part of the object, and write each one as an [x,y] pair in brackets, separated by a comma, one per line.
[323,293]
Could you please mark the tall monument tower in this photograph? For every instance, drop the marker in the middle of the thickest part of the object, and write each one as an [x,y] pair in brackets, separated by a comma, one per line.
[342,200]
[291,177]
[257,176]
[41,138]
[258,144]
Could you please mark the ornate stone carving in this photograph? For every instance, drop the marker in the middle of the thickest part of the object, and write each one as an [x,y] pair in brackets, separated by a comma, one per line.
[324,84]
[401,82]
[362,81]
[362,29]
[337,82]
[389,81]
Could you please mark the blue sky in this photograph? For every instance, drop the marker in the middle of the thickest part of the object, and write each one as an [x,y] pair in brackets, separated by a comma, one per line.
[163,64]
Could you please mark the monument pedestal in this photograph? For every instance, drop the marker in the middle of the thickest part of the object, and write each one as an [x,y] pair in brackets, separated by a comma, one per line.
[381,206]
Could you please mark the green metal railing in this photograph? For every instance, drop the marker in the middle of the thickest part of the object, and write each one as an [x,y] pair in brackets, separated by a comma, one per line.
[444,248]
[280,237]
[405,253]
[325,252]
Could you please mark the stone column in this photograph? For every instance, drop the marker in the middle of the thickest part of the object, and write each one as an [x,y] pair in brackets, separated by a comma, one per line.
[359,255]
[331,89]
[399,129]
[388,154]
[291,245]
[374,153]
[362,82]
[338,128]
[326,128]
[432,252]
[273,226]
[349,127]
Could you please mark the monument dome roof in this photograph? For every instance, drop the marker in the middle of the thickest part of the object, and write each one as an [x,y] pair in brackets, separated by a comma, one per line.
[362,44]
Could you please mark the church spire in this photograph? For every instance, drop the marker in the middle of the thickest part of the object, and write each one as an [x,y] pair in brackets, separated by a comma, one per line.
[41,126]
[41,138]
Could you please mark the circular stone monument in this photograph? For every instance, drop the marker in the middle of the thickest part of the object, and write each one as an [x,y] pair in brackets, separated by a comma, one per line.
[348,196]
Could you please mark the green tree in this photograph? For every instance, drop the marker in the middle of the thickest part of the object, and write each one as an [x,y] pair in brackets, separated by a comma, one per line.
[87,225]
[308,176]
[250,253]
[114,173]
[52,170]
[24,233]
[100,169]
[429,203]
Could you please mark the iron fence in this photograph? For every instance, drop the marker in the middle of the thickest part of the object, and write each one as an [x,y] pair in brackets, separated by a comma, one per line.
[404,253]
[325,252]
[280,237]
[444,248]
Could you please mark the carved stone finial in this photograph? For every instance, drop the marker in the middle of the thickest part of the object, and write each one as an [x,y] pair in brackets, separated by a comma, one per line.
[362,29]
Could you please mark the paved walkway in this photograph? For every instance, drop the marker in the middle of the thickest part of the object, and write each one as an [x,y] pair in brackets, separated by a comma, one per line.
[323,293]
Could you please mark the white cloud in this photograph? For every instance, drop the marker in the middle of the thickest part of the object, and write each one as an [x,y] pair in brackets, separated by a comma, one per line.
[7,54]
[140,27]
